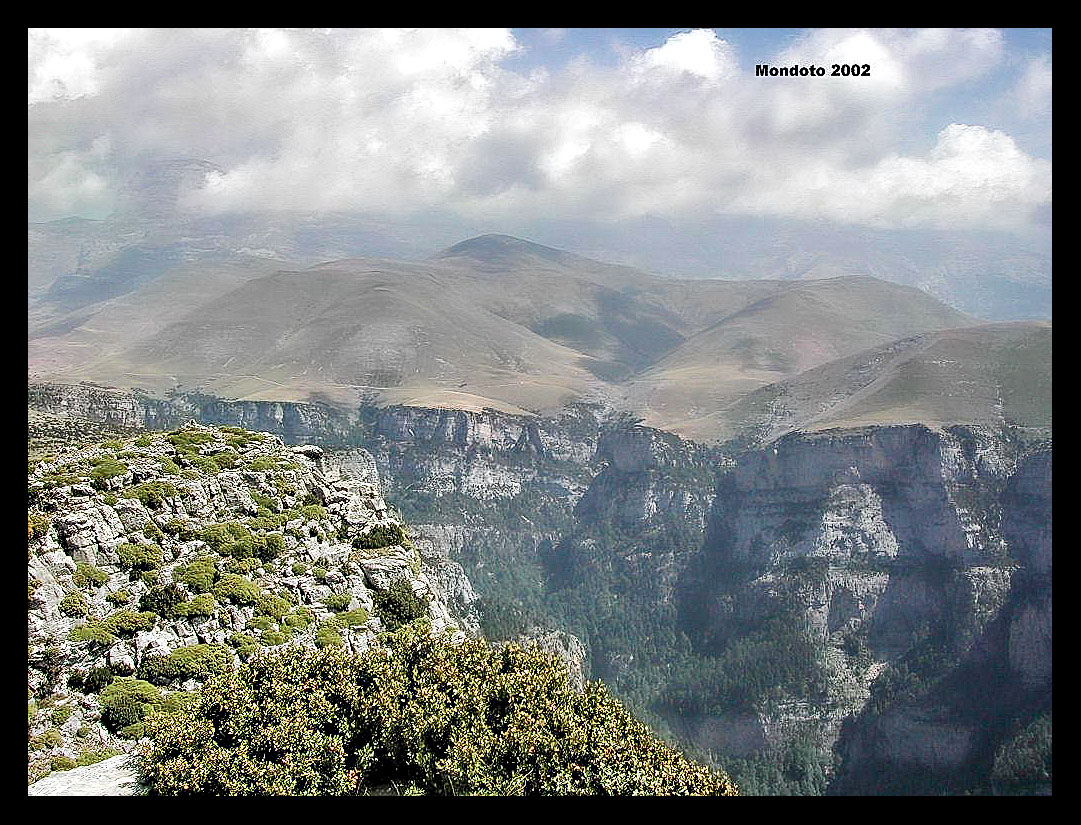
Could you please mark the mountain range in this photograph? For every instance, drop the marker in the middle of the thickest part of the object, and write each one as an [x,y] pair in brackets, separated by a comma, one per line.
[502,323]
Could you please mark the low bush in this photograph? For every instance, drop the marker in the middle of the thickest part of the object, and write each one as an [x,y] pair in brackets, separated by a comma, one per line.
[338,601]
[198,574]
[202,605]
[139,556]
[163,600]
[97,680]
[127,702]
[74,605]
[37,525]
[327,635]
[86,575]
[152,494]
[106,468]
[423,714]
[195,662]
[62,763]
[382,535]
[128,622]
[237,589]
[398,604]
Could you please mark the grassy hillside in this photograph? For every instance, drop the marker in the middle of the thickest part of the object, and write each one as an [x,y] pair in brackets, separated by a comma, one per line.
[991,374]
[491,322]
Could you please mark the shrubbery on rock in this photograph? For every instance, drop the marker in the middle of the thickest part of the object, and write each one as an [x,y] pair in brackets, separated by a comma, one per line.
[422,713]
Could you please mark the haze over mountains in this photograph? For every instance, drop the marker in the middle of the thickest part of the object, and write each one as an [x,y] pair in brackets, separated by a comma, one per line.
[500,322]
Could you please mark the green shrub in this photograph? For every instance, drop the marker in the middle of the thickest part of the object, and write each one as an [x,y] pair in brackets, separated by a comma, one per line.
[298,620]
[265,501]
[320,573]
[204,464]
[263,464]
[152,493]
[163,600]
[37,525]
[354,618]
[139,556]
[181,529]
[273,547]
[106,468]
[236,540]
[144,441]
[313,512]
[327,635]
[91,632]
[93,757]
[299,568]
[61,714]
[88,575]
[381,535]
[128,622]
[237,589]
[273,606]
[153,532]
[226,460]
[188,441]
[168,466]
[198,574]
[195,662]
[97,679]
[202,605]
[425,714]
[50,739]
[274,638]
[110,499]
[119,597]
[74,605]
[62,763]
[398,604]
[126,702]
[240,567]
[338,601]
[246,646]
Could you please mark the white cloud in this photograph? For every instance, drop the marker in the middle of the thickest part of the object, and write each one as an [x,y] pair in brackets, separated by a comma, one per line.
[63,64]
[1030,96]
[405,120]
[700,53]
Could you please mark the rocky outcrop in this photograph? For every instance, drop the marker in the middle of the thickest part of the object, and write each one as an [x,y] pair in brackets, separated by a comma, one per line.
[208,544]
[111,777]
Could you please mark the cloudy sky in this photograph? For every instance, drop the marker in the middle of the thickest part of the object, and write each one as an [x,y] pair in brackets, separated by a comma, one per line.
[952,130]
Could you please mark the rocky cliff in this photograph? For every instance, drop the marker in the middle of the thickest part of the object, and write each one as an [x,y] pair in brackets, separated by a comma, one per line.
[807,613]
[158,560]
[911,560]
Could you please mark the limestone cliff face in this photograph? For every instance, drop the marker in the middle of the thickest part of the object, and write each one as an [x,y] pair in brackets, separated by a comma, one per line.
[896,547]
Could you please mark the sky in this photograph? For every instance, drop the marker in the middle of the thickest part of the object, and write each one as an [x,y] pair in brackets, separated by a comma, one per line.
[951,130]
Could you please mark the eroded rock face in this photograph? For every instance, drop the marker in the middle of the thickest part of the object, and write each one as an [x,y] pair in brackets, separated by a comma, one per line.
[898,546]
